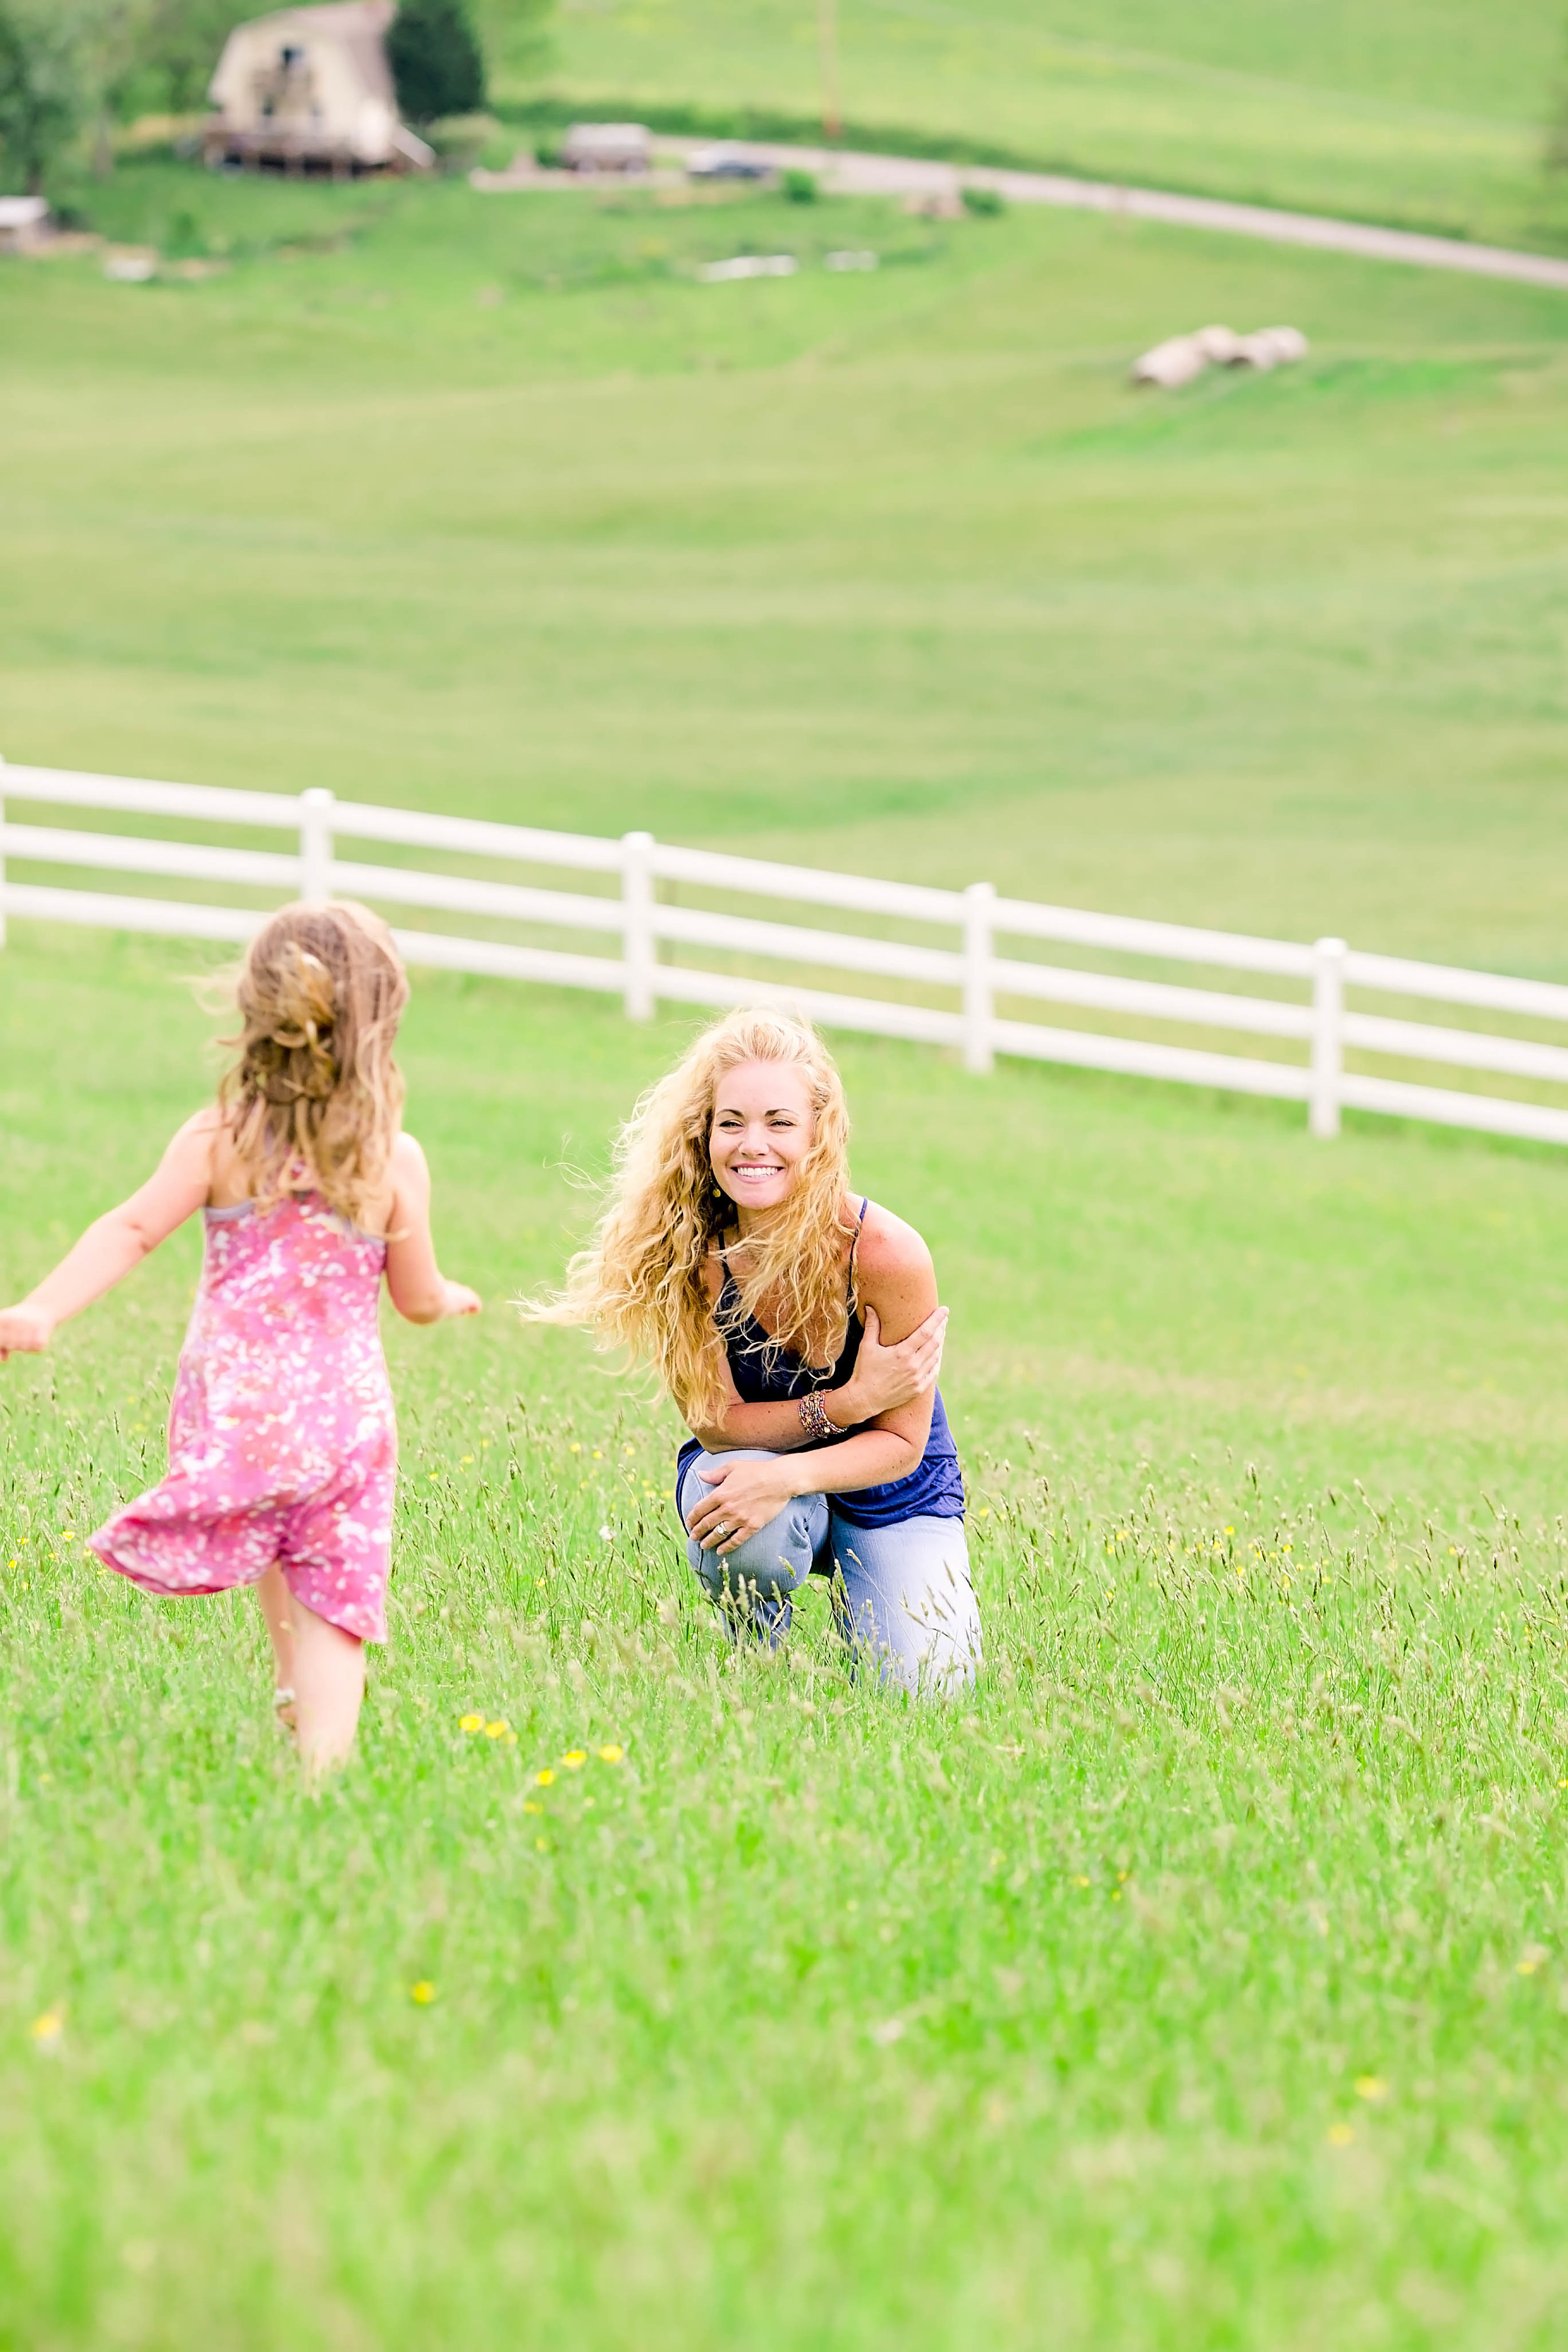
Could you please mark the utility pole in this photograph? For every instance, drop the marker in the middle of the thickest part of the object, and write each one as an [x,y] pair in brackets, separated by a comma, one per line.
[827,53]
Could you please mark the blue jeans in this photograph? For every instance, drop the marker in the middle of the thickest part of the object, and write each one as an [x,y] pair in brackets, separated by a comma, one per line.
[901,1594]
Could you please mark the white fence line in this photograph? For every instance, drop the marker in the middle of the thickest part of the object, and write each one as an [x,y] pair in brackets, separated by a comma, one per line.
[636,922]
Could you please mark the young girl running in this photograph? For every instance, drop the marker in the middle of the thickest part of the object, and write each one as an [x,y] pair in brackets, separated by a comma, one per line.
[796,1326]
[282,1442]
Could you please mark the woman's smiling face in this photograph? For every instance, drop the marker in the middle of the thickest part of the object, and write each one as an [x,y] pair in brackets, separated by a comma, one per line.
[763,1128]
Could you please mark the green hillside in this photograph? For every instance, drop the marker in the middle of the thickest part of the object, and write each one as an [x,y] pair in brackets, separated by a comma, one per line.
[485,503]
[1422,111]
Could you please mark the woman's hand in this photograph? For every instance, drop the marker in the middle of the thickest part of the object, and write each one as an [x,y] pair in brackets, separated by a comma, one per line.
[744,1496]
[886,1377]
[461,1300]
[25,1331]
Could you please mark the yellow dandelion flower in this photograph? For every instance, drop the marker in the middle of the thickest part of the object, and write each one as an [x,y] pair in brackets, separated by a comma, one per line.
[1081,1881]
[573,1757]
[538,1581]
[597,1456]
[47,2028]
[498,1729]
[424,1992]
[471,1723]
[1339,2135]
[544,1778]
[543,1843]
[530,1807]
[1371,2086]
[611,1754]
[628,1449]
[464,1460]
[574,1447]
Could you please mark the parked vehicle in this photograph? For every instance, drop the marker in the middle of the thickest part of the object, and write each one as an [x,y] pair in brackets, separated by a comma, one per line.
[725,162]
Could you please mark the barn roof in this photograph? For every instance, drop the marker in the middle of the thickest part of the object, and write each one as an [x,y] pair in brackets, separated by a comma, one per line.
[360,26]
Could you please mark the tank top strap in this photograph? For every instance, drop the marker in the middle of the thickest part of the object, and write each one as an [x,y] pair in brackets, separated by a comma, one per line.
[859,1222]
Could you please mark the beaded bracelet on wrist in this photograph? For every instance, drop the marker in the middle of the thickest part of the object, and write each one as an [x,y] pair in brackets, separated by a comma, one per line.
[813,1417]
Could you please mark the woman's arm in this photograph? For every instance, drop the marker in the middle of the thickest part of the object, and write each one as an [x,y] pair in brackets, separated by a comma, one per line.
[898,1284]
[420,1291]
[885,1375]
[118,1241]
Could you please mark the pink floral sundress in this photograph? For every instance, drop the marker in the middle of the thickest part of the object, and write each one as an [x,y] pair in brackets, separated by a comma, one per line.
[282,1439]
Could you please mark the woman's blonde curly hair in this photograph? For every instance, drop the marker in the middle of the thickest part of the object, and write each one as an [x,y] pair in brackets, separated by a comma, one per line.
[639,1282]
[314,1085]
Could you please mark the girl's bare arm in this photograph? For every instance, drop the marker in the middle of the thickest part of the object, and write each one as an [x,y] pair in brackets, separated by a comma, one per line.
[420,1291]
[118,1241]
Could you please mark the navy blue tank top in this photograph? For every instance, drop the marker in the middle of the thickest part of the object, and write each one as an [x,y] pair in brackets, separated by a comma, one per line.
[765,1373]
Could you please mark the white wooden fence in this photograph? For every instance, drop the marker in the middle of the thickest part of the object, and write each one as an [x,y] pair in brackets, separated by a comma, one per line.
[628,913]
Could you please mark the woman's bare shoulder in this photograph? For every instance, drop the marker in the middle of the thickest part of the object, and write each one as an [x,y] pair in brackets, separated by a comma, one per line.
[889,1249]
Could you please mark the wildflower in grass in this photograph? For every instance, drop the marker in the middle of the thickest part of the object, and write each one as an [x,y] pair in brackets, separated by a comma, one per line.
[1339,2135]
[471,1723]
[573,1757]
[1081,1881]
[424,1992]
[543,1843]
[538,1581]
[544,1778]
[611,1754]
[1532,1959]
[464,1460]
[530,1807]
[606,1533]
[48,2029]
[498,1729]
[574,1447]
[1371,2086]
[628,1449]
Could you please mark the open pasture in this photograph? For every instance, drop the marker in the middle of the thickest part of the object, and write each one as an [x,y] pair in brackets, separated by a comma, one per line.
[1201,1981]
[483,503]
[1432,114]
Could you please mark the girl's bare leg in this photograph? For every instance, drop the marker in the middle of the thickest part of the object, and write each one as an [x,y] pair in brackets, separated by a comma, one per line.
[278,1607]
[329,1683]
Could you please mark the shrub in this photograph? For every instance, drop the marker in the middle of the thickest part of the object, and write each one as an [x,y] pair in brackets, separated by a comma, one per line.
[799,187]
[438,67]
[985,202]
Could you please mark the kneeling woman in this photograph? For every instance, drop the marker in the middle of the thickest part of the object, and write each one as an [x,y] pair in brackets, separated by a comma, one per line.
[796,1326]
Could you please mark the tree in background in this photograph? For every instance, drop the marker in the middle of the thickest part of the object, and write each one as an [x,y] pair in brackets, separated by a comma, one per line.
[176,51]
[45,84]
[437,66]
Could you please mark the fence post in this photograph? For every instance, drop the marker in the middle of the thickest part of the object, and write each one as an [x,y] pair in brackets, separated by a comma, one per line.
[1327,1036]
[979,908]
[316,845]
[638,947]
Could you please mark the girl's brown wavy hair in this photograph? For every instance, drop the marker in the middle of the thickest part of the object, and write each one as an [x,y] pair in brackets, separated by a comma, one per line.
[638,1283]
[313,1084]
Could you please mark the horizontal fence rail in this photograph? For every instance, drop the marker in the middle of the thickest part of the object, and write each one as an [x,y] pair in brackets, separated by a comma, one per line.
[631,916]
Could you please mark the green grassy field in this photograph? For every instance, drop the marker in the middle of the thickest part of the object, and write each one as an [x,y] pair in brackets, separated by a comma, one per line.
[1432,114]
[1201,1981]
[483,503]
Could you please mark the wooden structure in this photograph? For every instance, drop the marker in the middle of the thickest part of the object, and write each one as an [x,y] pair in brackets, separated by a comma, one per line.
[309,88]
